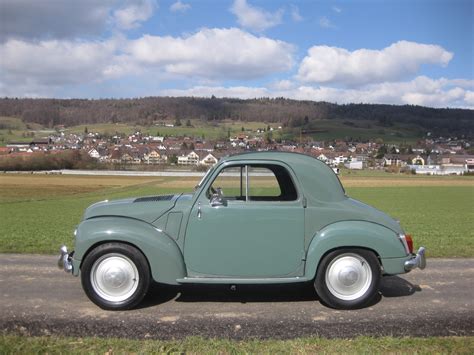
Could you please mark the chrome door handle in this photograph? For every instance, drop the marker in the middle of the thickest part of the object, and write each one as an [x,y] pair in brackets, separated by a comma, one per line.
[199,214]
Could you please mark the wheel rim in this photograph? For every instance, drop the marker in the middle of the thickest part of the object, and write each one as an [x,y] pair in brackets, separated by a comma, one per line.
[348,276]
[114,277]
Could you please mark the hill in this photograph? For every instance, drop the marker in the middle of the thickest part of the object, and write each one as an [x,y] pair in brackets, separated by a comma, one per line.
[309,116]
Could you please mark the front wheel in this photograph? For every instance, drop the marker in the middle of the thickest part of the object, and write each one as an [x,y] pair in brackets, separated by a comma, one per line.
[115,276]
[348,278]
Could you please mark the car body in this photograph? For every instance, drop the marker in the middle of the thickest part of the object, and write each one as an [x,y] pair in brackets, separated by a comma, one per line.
[283,218]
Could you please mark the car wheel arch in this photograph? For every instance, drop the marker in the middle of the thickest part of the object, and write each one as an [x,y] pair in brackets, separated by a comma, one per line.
[351,234]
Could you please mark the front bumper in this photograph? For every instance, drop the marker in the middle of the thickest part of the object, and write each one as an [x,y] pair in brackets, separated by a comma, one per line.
[65,259]
[417,261]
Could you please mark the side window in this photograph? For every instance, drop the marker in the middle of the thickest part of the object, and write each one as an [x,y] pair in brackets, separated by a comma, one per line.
[263,184]
[231,180]
[266,182]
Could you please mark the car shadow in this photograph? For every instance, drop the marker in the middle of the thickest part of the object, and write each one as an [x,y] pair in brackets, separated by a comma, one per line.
[395,286]
[391,286]
[160,293]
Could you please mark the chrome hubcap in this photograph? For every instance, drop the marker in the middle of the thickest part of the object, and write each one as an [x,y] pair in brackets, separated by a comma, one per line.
[348,276]
[114,277]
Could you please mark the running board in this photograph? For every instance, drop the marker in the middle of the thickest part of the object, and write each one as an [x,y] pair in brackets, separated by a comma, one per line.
[221,280]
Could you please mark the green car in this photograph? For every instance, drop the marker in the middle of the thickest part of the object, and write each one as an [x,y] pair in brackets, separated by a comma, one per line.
[255,218]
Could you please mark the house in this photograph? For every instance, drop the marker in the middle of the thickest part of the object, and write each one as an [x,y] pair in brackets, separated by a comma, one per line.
[394,160]
[93,153]
[354,164]
[209,160]
[470,165]
[153,157]
[418,160]
[189,159]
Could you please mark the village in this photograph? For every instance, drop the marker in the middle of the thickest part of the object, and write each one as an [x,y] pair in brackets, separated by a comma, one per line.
[430,156]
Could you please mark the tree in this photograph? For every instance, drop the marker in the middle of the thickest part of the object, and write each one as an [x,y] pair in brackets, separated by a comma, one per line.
[381,152]
[173,159]
[86,130]
[177,123]
[188,123]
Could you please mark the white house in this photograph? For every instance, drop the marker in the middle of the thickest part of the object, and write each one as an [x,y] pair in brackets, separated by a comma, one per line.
[209,160]
[93,153]
[354,164]
[190,159]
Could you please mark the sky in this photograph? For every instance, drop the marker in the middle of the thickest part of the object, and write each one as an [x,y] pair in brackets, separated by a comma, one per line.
[417,52]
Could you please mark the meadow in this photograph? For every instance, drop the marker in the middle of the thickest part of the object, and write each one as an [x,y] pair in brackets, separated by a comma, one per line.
[38,213]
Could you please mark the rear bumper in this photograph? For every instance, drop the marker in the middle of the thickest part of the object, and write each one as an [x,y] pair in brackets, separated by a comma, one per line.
[416,261]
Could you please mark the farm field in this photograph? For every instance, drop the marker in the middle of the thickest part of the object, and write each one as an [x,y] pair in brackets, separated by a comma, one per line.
[38,212]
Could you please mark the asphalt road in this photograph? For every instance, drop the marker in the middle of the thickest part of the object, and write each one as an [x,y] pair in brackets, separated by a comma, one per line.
[39,299]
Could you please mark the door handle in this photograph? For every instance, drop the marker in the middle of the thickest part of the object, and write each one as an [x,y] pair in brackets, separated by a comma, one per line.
[199,214]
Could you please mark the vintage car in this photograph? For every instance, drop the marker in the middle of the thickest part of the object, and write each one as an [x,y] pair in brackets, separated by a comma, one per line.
[255,218]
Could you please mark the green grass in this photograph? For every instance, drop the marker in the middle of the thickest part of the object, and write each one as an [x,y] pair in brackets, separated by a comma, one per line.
[10,344]
[438,217]
[198,129]
[39,213]
[41,225]
[365,130]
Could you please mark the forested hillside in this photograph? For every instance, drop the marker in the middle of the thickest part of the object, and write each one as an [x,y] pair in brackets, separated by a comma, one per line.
[146,111]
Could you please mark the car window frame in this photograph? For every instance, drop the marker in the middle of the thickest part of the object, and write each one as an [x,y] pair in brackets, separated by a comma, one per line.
[258,163]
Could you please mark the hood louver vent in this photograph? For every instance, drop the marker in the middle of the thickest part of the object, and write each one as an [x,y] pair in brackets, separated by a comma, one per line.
[154,198]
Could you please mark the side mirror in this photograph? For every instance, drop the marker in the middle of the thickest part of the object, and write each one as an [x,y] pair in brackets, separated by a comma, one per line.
[217,199]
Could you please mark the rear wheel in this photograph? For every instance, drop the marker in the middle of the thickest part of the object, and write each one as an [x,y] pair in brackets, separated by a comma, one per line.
[348,278]
[115,276]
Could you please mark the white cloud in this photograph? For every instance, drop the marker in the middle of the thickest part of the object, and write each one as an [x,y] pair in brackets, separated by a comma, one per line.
[133,13]
[295,13]
[255,18]
[210,54]
[213,54]
[336,9]
[324,22]
[54,62]
[325,64]
[179,6]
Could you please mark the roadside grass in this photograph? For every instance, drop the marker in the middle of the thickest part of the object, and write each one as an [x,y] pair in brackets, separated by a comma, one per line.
[12,344]
[38,213]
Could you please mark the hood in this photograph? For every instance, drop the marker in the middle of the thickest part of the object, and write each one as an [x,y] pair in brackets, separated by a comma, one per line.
[144,208]
[371,214]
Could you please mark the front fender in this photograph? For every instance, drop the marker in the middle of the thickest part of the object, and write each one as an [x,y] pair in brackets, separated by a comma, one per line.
[163,255]
[356,234]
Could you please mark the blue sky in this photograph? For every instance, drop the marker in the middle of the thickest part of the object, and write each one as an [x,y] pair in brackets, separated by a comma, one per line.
[395,52]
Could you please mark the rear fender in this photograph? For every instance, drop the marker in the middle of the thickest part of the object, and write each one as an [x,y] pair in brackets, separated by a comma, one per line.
[163,254]
[353,234]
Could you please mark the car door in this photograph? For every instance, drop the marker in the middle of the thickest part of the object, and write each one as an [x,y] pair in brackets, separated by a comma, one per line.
[253,229]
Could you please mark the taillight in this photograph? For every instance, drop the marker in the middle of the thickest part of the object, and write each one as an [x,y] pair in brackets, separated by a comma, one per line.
[409,240]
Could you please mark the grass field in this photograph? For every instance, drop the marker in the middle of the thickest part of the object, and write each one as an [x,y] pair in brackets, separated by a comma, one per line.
[38,212]
[10,344]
